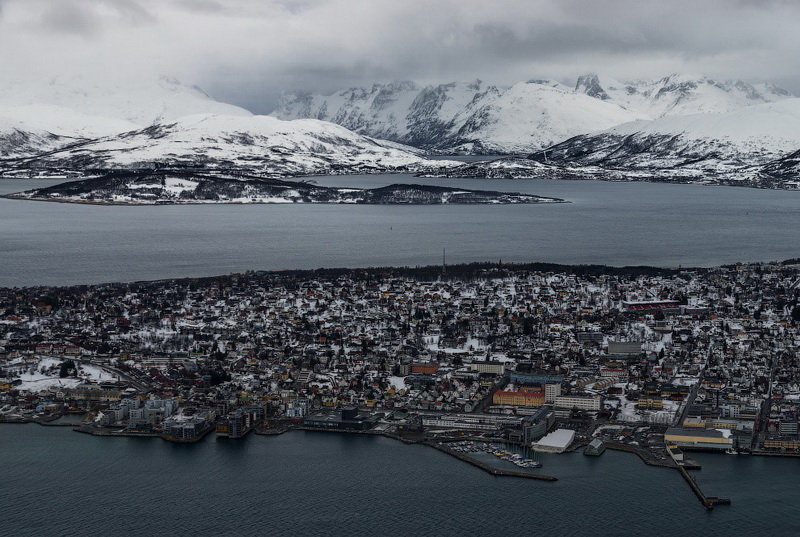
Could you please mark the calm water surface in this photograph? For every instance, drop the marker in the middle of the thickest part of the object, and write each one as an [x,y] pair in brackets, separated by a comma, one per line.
[608,223]
[331,484]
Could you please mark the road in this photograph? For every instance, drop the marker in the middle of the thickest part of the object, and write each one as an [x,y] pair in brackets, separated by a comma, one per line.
[766,406]
[689,401]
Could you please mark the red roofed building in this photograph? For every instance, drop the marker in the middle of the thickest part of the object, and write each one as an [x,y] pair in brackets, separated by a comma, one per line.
[524,396]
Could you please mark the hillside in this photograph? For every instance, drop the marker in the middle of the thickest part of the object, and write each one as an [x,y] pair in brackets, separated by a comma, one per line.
[468,118]
[679,94]
[182,187]
[712,142]
[481,119]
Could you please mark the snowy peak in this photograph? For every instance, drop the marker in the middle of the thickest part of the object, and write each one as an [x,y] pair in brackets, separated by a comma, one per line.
[590,85]
[66,127]
[679,94]
[710,142]
[64,121]
[771,91]
[461,116]
[402,111]
[256,145]
[38,117]
[548,83]
[532,115]
[471,117]
[141,102]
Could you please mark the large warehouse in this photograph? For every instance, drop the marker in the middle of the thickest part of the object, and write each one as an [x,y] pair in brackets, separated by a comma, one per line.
[699,439]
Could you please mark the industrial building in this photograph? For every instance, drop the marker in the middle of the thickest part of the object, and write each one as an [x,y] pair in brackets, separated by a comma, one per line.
[699,439]
[471,422]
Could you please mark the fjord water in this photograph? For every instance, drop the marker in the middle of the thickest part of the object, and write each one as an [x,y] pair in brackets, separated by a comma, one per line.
[337,484]
[605,223]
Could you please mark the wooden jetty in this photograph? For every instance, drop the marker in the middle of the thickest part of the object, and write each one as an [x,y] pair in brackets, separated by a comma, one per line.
[709,502]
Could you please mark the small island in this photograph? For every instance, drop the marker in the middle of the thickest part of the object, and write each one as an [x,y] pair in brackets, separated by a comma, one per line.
[166,187]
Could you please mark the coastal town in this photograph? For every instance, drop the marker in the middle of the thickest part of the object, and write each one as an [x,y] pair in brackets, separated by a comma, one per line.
[466,358]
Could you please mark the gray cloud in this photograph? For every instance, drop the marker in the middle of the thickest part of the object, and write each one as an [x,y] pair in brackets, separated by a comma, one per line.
[247,51]
[69,19]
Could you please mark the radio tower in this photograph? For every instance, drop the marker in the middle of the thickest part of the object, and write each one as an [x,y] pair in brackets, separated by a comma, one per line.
[444,263]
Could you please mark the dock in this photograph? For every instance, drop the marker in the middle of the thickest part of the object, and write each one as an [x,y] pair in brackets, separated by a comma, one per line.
[486,467]
[709,502]
[643,454]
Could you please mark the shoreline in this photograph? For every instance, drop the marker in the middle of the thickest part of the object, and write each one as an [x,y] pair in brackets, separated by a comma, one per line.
[559,175]
[455,271]
[540,200]
[707,502]
[607,175]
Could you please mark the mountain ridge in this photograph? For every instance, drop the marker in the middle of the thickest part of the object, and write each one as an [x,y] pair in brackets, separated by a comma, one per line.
[476,118]
[260,145]
[460,117]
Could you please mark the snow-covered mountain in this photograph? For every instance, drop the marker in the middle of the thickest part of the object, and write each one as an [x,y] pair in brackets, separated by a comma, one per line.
[679,94]
[533,114]
[711,142]
[399,111]
[39,117]
[65,127]
[141,103]
[461,117]
[260,145]
[784,169]
[18,139]
[484,119]
[60,121]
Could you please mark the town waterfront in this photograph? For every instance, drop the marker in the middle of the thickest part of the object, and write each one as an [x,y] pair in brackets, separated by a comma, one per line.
[605,223]
[56,481]
[305,483]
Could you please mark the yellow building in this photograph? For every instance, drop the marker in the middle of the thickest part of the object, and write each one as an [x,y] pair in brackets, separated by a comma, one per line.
[650,404]
[781,443]
[724,424]
[694,423]
[696,438]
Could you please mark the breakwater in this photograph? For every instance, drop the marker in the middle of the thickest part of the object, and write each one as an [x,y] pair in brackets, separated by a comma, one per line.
[486,467]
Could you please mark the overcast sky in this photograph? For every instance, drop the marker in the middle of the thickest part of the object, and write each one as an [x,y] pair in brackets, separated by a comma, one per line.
[247,51]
